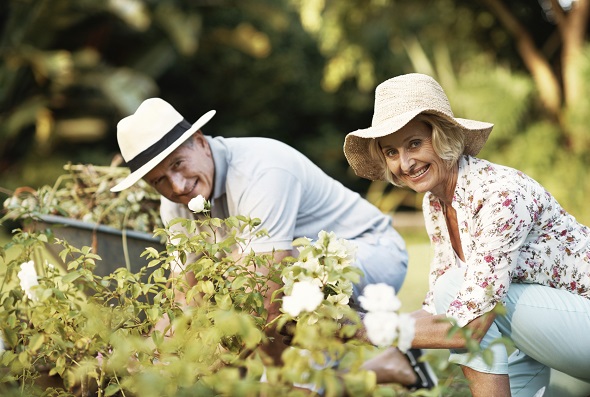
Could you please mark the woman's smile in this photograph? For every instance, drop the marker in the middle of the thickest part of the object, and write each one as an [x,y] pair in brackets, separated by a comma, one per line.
[418,173]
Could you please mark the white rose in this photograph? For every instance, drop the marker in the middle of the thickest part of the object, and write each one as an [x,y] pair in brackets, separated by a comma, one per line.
[342,249]
[323,239]
[407,328]
[305,296]
[339,299]
[381,327]
[346,287]
[28,278]
[309,263]
[379,298]
[197,204]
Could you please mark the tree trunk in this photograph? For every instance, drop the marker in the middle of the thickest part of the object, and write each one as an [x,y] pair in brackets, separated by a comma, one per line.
[572,27]
[546,81]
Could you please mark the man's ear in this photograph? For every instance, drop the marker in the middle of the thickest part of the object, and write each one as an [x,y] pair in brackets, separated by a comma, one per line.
[199,139]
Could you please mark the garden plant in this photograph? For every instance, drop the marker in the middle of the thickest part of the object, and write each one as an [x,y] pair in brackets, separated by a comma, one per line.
[66,331]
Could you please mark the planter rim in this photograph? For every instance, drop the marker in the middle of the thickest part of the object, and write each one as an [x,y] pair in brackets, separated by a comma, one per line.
[61,220]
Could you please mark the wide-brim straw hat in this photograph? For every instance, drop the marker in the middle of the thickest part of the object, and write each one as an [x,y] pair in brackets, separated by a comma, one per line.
[149,135]
[397,101]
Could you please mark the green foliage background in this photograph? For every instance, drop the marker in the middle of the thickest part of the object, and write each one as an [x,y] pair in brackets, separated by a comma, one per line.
[301,71]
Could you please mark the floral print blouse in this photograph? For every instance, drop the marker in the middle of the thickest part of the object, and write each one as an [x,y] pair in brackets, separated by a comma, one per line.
[511,230]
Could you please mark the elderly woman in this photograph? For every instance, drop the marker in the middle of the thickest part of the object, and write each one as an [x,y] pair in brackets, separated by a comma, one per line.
[499,238]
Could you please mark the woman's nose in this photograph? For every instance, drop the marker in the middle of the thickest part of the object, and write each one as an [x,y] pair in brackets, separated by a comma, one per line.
[406,161]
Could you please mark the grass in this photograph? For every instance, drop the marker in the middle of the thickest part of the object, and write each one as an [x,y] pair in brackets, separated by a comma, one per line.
[415,285]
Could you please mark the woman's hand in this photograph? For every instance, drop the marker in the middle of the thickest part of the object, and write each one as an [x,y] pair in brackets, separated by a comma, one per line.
[432,330]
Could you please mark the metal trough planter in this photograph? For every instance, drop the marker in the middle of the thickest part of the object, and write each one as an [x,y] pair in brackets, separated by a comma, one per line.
[117,248]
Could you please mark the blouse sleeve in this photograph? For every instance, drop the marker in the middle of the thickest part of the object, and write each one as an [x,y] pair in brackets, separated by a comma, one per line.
[500,219]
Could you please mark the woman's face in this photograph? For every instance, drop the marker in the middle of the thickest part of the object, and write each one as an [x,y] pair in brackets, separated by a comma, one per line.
[412,160]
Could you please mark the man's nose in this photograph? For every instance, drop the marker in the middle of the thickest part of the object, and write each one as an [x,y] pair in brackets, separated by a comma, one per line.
[177,184]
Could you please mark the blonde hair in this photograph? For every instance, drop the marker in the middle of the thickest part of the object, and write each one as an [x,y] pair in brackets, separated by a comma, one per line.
[448,142]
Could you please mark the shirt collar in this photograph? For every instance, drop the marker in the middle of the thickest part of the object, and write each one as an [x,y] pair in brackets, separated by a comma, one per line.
[221,156]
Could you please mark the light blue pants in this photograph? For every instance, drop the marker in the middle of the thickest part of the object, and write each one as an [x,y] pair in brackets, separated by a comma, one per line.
[382,258]
[550,328]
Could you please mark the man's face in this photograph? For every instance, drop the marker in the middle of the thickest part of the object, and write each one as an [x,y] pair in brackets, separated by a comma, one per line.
[187,172]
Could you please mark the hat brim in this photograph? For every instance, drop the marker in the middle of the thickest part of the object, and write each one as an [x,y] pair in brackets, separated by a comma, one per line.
[147,167]
[356,143]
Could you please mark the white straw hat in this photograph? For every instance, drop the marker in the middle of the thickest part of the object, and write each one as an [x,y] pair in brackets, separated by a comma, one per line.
[397,101]
[154,131]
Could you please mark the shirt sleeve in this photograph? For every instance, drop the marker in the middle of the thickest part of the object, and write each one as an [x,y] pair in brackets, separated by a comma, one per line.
[274,197]
[500,220]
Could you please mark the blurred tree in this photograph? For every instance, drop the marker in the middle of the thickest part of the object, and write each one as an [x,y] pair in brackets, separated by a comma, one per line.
[552,141]
[523,65]
[302,71]
[72,68]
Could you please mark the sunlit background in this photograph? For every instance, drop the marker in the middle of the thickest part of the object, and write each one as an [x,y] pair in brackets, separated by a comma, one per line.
[302,71]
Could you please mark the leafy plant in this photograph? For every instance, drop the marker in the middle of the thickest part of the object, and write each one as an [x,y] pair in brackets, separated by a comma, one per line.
[83,193]
[96,335]
[67,331]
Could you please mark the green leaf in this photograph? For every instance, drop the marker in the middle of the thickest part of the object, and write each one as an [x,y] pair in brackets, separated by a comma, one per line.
[60,365]
[150,252]
[36,342]
[157,337]
[112,389]
[23,358]
[488,356]
[46,294]
[239,282]
[153,313]
[301,241]
[68,278]
[224,302]
[207,287]
[10,336]
[159,276]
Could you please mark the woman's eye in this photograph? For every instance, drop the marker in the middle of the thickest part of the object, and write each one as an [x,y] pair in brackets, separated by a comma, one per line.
[414,144]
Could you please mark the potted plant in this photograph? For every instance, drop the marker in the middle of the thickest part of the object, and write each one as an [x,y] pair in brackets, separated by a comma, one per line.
[80,208]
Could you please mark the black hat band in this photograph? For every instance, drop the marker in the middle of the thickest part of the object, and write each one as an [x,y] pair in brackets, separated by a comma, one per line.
[168,139]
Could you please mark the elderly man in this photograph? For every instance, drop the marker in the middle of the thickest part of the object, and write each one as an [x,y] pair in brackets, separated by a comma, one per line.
[261,178]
